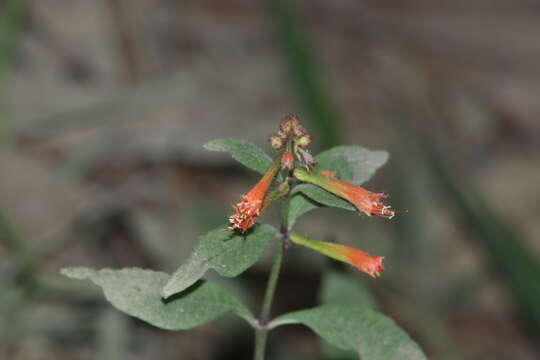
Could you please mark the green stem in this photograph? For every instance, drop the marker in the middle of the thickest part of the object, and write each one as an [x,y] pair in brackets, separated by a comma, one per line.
[260,343]
[271,286]
[262,332]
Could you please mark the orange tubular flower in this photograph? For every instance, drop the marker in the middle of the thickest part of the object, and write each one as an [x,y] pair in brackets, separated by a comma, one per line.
[371,265]
[252,204]
[365,201]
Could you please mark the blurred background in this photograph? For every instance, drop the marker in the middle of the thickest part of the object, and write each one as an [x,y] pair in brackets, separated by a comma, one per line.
[105,105]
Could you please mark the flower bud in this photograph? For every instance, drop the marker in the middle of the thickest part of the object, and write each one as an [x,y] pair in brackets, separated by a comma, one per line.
[308,159]
[287,160]
[299,131]
[288,123]
[276,142]
[304,140]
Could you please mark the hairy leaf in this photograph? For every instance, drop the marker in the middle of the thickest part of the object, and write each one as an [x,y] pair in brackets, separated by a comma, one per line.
[242,151]
[370,334]
[343,288]
[227,252]
[353,164]
[137,292]
[299,204]
[323,197]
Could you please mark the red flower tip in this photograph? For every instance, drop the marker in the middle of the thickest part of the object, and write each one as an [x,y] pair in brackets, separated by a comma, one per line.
[245,213]
[364,200]
[371,265]
[374,267]
[371,204]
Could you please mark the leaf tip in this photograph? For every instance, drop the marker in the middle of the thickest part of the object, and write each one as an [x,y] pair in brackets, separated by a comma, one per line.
[166,292]
[217,144]
[384,155]
[210,145]
[173,287]
[77,273]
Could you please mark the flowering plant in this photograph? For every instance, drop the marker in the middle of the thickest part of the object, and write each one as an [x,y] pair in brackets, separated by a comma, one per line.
[301,183]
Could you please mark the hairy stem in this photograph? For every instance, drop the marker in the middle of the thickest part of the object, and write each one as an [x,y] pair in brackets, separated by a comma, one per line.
[271,286]
[262,332]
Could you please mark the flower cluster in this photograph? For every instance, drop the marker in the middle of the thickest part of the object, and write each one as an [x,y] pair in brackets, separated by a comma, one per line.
[290,129]
[291,140]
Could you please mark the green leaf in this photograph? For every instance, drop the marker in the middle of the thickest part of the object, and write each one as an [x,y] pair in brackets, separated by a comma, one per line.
[136,292]
[353,164]
[342,288]
[227,252]
[299,204]
[370,334]
[242,151]
[323,197]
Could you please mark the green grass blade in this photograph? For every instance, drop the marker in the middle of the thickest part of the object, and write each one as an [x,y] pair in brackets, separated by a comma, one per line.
[10,26]
[305,74]
[507,248]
